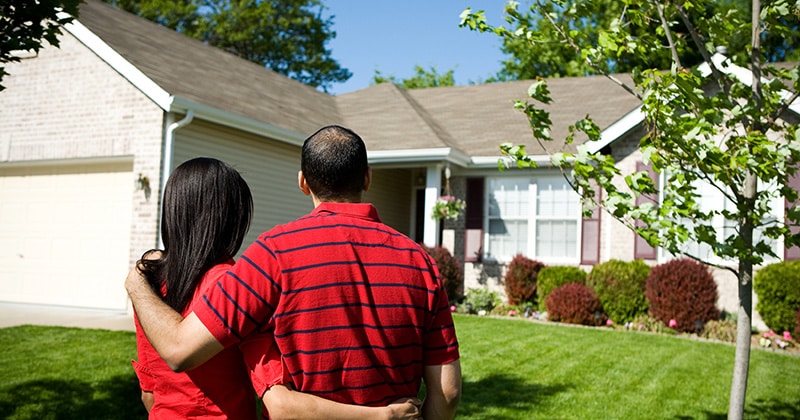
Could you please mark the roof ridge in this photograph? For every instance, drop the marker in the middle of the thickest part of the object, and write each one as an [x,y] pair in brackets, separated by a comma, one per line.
[432,123]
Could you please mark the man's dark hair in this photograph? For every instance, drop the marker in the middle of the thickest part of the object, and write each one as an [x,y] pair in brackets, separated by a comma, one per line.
[334,163]
[207,211]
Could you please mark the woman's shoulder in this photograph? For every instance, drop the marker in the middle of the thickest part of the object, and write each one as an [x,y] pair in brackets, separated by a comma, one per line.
[209,279]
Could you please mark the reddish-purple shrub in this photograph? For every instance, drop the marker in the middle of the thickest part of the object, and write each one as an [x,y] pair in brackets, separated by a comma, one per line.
[520,279]
[683,290]
[797,323]
[574,303]
[449,271]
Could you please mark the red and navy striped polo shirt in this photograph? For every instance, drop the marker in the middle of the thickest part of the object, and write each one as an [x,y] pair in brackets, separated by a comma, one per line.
[357,309]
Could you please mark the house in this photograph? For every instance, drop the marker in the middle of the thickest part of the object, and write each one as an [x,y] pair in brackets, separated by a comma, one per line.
[90,131]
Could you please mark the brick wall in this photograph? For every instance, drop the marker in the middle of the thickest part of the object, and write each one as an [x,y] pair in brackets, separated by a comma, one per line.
[67,104]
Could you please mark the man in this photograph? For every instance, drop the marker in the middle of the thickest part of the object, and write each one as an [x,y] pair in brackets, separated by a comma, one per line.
[357,309]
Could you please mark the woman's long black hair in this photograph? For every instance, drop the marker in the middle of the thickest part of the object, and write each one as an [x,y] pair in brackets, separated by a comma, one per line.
[207,211]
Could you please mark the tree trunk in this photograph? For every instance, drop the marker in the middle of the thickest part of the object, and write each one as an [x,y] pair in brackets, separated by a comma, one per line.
[741,363]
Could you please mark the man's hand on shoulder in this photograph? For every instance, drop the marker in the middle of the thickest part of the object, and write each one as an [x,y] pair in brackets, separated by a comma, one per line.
[136,282]
[182,343]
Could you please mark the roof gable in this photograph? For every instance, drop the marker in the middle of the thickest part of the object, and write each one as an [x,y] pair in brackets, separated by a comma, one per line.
[631,120]
[193,72]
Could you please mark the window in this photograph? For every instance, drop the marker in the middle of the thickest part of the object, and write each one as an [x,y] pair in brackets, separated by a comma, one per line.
[545,209]
[507,217]
[712,199]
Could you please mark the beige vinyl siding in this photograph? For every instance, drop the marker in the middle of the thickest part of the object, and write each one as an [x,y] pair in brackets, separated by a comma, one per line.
[65,233]
[269,167]
[391,194]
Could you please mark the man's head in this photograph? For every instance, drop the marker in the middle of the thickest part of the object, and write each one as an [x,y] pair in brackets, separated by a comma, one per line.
[334,165]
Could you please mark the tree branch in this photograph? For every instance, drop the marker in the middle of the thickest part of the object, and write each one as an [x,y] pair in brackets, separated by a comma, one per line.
[591,63]
[673,50]
[718,76]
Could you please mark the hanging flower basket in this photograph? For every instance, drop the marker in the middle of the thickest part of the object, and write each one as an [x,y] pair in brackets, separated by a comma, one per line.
[448,207]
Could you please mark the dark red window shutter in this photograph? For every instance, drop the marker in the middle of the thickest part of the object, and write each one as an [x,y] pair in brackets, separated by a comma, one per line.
[641,249]
[792,253]
[590,232]
[473,223]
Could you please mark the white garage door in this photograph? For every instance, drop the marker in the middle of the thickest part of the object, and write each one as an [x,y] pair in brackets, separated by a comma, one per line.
[65,234]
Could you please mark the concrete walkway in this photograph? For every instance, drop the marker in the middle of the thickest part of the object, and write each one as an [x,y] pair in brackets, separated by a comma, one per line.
[12,314]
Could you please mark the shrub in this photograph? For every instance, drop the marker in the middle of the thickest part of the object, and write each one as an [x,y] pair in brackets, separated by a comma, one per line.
[724,330]
[647,323]
[520,279]
[682,290]
[574,303]
[778,289]
[449,271]
[797,320]
[620,287]
[555,276]
[480,300]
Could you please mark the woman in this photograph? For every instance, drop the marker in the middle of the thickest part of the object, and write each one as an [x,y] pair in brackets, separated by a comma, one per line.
[206,213]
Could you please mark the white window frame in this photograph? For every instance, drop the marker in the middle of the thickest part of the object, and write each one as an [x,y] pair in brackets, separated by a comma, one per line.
[712,198]
[533,219]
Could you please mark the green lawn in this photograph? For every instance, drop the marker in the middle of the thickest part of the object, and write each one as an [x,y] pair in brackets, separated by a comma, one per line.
[68,373]
[513,369]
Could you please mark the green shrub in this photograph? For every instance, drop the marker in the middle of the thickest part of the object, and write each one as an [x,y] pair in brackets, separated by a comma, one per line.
[723,330]
[552,277]
[449,271]
[797,320]
[574,303]
[520,279]
[481,300]
[620,287]
[682,290]
[778,289]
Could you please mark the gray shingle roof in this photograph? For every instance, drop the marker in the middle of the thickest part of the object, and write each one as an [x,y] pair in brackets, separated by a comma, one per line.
[187,68]
[473,120]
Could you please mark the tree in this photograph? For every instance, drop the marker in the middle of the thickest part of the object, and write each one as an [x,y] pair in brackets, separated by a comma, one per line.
[286,36]
[549,55]
[24,24]
[421,79]
[706,128]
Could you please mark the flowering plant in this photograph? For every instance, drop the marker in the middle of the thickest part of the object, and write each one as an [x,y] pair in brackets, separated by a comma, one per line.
[771,339]
[448,207]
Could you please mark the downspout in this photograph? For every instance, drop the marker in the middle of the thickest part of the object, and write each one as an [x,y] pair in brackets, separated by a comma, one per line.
[166,167]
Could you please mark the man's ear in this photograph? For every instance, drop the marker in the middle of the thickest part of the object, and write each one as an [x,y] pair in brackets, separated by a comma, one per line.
[368,179]
[301,182]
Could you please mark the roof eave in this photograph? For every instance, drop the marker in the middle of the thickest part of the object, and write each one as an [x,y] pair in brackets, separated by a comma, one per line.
[171,103]
[407,156]
[616,130]
[136,77]
[234,120]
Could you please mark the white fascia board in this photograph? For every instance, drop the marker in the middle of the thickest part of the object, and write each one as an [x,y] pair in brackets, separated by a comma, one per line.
[492,161]
[743,75]
[122,66]
[617,130]
[237,121]
[725,65]
[445,154]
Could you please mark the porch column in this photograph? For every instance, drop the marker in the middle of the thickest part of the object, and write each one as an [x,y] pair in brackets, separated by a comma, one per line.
[433,181]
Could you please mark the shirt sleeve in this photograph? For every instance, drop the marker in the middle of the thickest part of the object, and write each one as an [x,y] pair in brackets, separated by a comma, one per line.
[440,342]
[263,361]
[240,299]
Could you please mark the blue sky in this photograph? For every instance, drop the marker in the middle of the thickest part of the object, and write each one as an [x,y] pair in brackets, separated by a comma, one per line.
[394,36]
